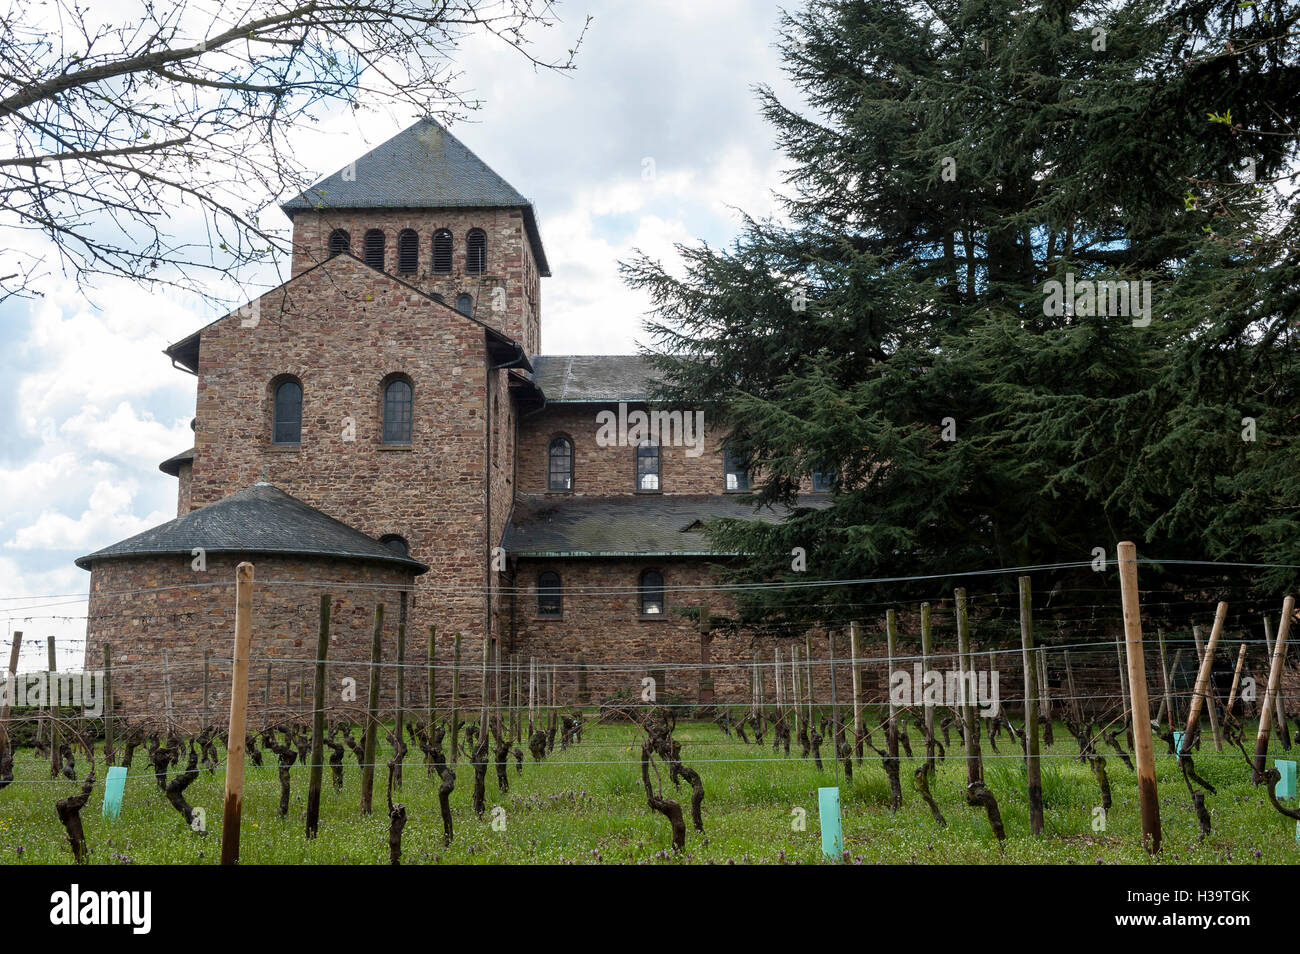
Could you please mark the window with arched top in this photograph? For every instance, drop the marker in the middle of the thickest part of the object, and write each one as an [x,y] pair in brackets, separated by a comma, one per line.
[286,414]
[442,252]
[476,252]
[550,595]
[398,406]
[652,593]
[396,543]
[647,468]
[465,305]
[559,465]
[340,241]
[374,251]
[737,472]
[408,252]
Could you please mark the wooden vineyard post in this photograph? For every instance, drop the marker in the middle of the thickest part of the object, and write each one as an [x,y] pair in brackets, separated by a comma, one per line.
[372,710]
[1165,674]
[234,806]
[927,648]
[794,682]
[266,694]
[1032,767]
[779,685]
[837,735]
[1123,691]
[891,730]
[53,702]
[1143,747]
[707,688]
[207,674]
[1203,677]
[1236,679]
[167,692]
[399,718]
[14,648]
[431,703]
[974,770]
[532,695]
[1279,714]
[1076,704]
[857,690]
[1044,694]
[108,702]
[808,671]
[455,697]
[318,718]
[1274,684]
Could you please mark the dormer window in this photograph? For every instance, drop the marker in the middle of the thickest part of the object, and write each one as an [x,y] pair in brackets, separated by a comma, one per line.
[442,252]
[476,252]
[374,252]
[408,252]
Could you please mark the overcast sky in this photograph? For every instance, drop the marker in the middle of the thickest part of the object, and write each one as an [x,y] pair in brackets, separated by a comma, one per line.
[89,405]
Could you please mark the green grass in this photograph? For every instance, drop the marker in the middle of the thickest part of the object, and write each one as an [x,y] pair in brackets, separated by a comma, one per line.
[586,805]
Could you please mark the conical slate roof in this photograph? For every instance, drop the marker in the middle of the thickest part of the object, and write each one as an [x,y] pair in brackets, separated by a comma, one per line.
[422,167]
[257,519]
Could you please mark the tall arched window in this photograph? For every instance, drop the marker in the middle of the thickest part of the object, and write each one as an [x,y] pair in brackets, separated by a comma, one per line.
[397,412]
[559,467]
[408,251]
[550,595]
[647,467]
[374,255]
[442,252]
[286,423]
[476,252]
[340,241]
[652,593]
[465,305]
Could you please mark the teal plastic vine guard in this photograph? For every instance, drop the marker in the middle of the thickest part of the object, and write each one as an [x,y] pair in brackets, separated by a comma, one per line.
[1285,787]
[828,810]
[114,789]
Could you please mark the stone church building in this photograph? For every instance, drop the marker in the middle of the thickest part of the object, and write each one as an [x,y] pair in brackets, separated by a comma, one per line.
[387,418]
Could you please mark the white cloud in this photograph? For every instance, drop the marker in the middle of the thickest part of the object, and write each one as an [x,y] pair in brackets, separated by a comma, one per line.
[107,519]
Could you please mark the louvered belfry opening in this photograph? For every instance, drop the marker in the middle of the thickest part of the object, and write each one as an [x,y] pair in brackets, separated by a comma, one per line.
[442,252]
[374,255]
[476,252]
[340,241]
[408,251]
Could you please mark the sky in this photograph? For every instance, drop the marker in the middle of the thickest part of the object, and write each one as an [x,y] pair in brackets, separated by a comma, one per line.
[89,405]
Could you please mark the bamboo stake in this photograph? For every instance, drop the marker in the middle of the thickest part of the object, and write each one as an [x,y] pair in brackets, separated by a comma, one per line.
[1165,675]
[455,698]
[1274,684]
[53,693]
[234,805]
[1236,678]
[1032,767]
[431,707]
[14,648]
[891,646]
[1143,749]
[108,702]
[318,719]
[399,719]
[794,680]
[1283,733]
[927,707]
[207,664]
[1123,689]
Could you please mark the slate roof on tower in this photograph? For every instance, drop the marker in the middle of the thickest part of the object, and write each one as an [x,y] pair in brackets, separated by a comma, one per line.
[257,519]
[422,167]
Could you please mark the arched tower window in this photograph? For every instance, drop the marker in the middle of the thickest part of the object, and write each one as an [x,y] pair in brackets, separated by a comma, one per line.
[550,595]
[398,405]
[286,421]
[559,467]
[374,255]
[442,252]
[476,252]
[408,251]
[396,543]
[652,593]
[340,241]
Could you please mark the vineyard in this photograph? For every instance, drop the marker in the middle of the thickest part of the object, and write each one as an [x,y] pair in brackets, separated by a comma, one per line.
[1036,758]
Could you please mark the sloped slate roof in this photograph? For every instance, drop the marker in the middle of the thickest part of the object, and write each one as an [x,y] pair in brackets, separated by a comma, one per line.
[172,465]
[587,378]
[257,519]
[630,525]
[422,167]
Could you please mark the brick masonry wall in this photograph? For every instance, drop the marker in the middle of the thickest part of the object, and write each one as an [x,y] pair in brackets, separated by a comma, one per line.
[185,475]
[342,330]
[185,618]
[510,263]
